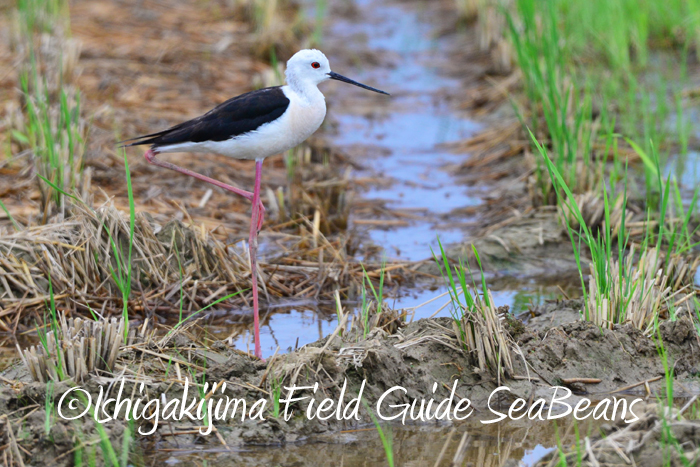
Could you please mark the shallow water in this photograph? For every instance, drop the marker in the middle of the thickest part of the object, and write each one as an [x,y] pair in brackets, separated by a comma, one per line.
[292,325]
[403,134]
[413,445]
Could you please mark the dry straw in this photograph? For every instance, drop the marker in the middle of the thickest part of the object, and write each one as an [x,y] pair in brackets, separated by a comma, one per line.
[592,209]
[78,347]
[78,254]
[637,294]
[482,333]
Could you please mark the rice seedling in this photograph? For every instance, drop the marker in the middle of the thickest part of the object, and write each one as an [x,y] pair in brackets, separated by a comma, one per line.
[123,274]
[566,110]
[275,393]
[560,448]
[668,368]
[674,218]
[54,133]
[385,437]
[364,311]
[621,288]
[379,292]
[127,442]
[109,453]
[37,16]
[636,293]
[376,313]
[477,321]
[50,127]
[48,407]
[579,56]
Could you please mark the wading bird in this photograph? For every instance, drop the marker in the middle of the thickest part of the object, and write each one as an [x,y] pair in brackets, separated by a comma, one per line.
[253,126]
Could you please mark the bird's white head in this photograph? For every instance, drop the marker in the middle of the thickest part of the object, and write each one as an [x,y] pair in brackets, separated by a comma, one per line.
[309,67]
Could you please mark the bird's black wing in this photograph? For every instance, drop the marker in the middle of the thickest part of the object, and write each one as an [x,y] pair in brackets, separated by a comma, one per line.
[232,118]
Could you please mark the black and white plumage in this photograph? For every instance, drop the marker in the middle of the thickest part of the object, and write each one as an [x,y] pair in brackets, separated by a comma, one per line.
[254,125]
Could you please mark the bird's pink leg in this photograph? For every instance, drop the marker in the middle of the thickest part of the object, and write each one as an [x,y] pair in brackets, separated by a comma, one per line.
[151,158]
[256,222]
[253,245]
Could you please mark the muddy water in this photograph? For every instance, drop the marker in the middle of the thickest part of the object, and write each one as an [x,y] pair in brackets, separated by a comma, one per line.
[489,445]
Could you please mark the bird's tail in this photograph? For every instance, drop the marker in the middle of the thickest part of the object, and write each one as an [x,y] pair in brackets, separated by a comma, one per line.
[141,140]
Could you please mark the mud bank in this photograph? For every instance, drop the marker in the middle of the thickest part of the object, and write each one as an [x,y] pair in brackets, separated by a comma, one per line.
[415,357]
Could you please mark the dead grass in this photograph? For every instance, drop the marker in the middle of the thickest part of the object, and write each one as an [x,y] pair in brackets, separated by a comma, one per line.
[592,207]
[79,347]
[481,332]
[639,293]
[174,267]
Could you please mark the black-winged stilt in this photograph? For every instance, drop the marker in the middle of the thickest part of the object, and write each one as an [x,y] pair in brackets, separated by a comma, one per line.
[251,126]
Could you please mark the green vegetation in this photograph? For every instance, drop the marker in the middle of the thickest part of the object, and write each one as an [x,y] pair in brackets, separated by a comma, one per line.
[622,287]
[592,70]
[275,393]
[602,89]
[51,127]
[385,437]
[377,293]
[59,364]
[53,132]
[122,275]
[565,109]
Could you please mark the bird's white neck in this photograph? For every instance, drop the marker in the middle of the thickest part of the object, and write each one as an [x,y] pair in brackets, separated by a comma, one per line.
[308,93]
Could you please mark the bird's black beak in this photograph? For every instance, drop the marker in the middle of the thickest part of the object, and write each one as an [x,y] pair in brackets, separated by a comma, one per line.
[342,78]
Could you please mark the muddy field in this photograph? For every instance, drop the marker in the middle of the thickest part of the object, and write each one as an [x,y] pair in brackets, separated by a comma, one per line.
[364,221]
[620,363]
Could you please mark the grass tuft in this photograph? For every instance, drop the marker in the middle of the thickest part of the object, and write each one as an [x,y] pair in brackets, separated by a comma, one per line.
[477,321]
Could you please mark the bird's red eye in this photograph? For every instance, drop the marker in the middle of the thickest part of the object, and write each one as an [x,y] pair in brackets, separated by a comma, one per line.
[316,65]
